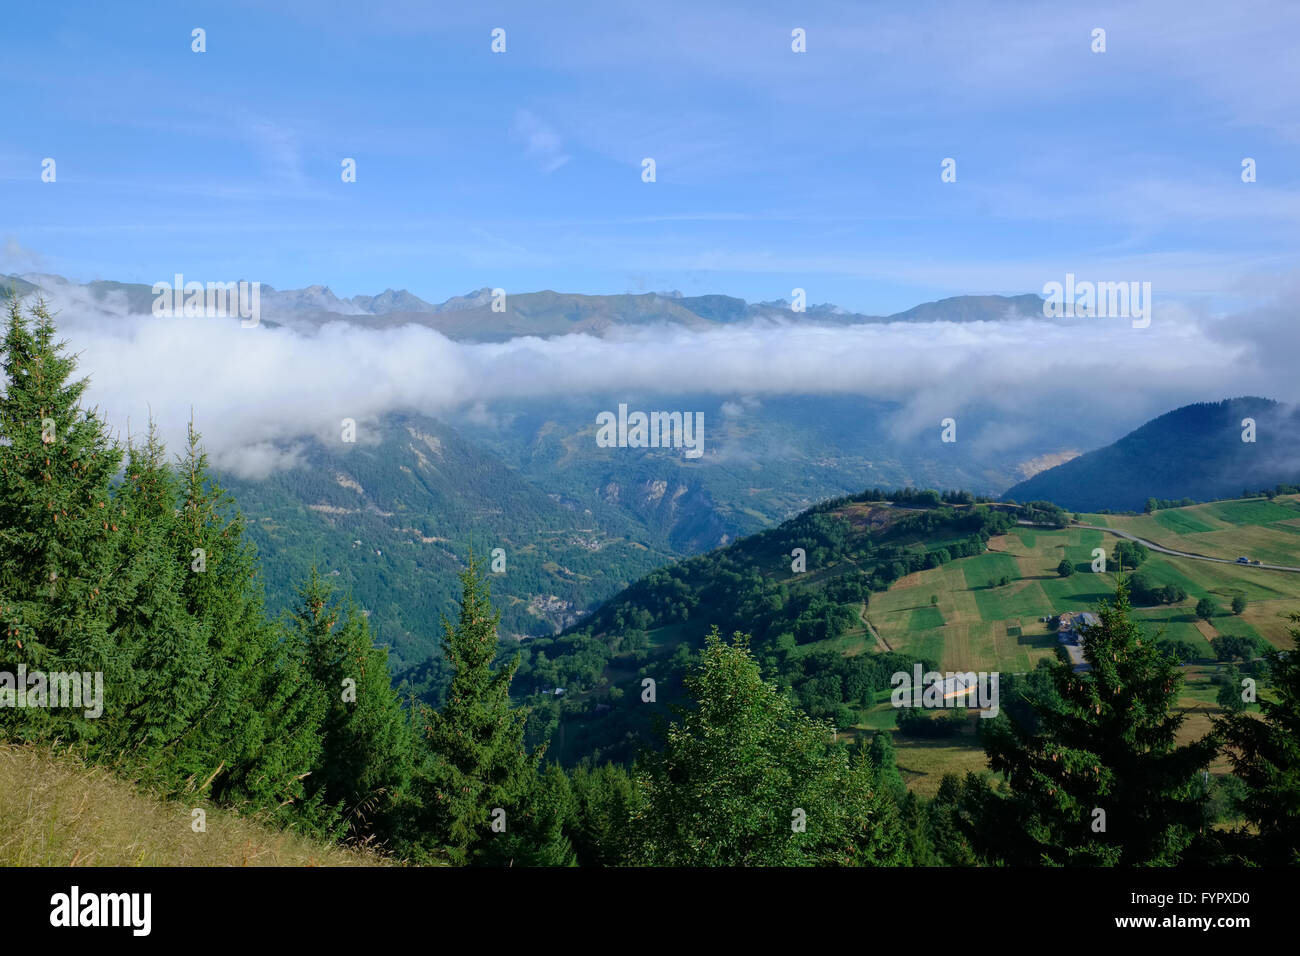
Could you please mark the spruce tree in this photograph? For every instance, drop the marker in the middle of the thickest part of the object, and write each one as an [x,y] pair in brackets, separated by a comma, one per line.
[1265,755]
[364,770]
[537,834]
[58,525]
[604,801]
[963,825]
[916,828]
[1108,744]
[259,737]
[885,761]
[478,761]
[168,648]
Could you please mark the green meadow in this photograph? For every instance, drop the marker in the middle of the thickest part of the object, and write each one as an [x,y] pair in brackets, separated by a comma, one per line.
[981,624]
[978,624]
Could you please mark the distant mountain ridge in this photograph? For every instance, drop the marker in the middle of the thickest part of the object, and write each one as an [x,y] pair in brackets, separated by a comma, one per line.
[1196,451]
[471,317]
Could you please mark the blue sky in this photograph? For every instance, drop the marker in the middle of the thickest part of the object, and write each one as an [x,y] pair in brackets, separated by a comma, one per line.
[522,170]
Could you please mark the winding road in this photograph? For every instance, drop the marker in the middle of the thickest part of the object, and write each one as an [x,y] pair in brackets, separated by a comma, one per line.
[1162,550]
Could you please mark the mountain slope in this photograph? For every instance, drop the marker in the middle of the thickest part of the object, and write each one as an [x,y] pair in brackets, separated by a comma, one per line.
[1194,452]
[392,519]
[807,621]
[974,308]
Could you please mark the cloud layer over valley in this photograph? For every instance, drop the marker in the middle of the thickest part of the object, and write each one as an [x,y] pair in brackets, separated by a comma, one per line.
[255,391]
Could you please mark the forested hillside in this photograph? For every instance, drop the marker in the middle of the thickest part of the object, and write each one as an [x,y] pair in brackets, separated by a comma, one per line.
[798,590]
[390,517]
[1204,451]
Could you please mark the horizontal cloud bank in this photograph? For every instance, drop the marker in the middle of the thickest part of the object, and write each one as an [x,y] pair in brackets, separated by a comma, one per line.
[254,391]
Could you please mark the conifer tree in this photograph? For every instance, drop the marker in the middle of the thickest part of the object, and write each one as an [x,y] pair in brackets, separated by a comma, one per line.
[955,839]
[58,525]
[604,801]
[885,761]
[478,761]
[364,769]
[916,828]
[537,834]
[1110,745]
[1265,755]
[259,737]
[746,779]
[168,648]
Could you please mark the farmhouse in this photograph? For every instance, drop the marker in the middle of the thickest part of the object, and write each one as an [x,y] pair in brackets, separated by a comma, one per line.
[1071,627]
[1071,630]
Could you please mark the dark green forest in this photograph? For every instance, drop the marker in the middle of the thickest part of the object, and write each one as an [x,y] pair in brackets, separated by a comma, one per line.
[1194,453]
[132,562]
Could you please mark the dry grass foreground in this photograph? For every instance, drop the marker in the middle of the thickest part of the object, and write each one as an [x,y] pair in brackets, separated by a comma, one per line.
[57,811]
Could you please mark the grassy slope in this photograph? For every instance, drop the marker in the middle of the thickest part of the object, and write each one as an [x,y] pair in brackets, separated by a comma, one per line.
[993,628]
[55,811]
[979,614]
[1265,530]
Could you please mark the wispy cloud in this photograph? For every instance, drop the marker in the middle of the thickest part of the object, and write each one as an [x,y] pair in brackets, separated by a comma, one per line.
[542,143]
[14,257]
